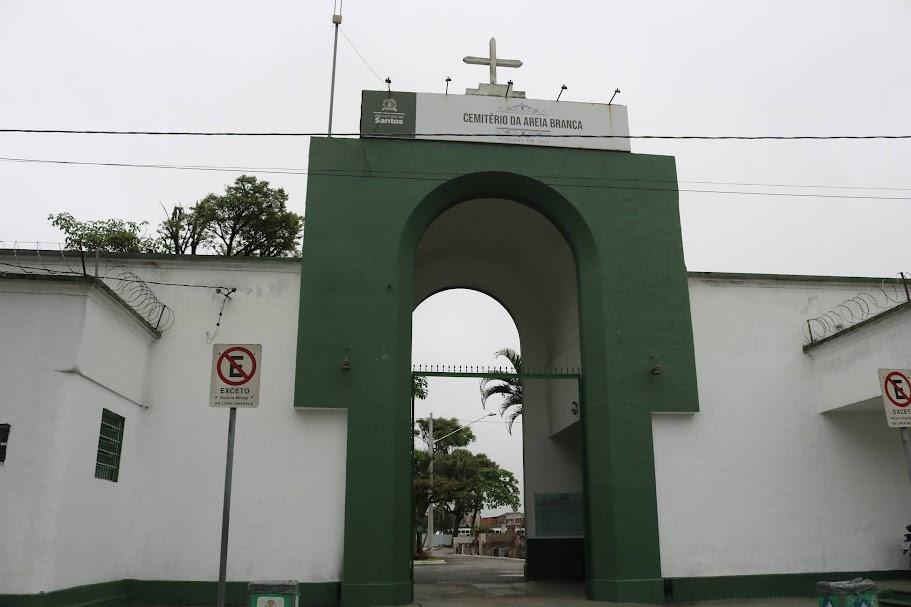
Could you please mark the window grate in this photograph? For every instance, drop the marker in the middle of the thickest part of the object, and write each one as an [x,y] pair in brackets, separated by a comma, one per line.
[4,439]
[110,439]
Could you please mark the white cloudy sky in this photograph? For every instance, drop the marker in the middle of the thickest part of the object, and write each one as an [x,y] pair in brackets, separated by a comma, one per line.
[685,67]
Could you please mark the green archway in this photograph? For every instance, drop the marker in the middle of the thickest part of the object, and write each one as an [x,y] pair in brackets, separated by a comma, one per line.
[368,203]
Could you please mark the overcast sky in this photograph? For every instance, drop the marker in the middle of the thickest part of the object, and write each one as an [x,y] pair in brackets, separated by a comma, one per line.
[785,67]
[817,67]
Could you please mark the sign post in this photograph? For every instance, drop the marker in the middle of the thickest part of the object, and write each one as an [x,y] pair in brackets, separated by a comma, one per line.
[895,385]
[235,383]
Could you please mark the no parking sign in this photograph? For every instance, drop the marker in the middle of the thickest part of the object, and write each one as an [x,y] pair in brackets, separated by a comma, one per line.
[235,375]
[895,385]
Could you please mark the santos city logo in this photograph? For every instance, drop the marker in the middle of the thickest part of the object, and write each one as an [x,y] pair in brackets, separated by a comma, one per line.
[389,113]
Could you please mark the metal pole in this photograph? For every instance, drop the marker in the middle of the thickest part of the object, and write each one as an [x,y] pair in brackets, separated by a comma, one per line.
[906,443]
[430,494]
[226,510]
[337,20]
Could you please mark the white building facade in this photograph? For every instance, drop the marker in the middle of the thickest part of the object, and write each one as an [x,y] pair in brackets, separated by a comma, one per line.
[787,468]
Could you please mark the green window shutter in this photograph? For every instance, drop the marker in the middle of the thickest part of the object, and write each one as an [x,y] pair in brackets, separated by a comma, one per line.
[110,440]
[4,439]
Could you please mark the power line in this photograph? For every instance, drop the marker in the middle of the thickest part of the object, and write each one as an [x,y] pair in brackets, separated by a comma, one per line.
[329,172]
[481,421]
[356,52]
[73,273]
[181,167]
[414,176]
[304,171]
[408,135]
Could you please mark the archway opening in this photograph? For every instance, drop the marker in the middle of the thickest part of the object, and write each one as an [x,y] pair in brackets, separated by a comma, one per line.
[476,252]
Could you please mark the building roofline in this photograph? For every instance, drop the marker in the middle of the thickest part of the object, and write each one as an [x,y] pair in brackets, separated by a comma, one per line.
[71,256]
[902,307]
[785,277]
[89,281]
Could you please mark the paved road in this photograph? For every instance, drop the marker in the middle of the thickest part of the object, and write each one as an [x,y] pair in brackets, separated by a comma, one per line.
[469,570]
[470,581]
[465,579]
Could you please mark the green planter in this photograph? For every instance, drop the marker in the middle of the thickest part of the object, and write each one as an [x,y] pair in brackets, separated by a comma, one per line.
[272,594]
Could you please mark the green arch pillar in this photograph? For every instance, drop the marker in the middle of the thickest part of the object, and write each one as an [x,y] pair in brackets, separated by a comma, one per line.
[368,203]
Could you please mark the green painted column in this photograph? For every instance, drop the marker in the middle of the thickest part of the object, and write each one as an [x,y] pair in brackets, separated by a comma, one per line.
[644,352]
[369,201]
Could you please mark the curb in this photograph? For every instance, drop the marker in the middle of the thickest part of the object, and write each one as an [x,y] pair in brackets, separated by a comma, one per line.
[484,556]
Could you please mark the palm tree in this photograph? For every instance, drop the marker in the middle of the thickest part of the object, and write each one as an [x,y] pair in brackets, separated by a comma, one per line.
[509,387]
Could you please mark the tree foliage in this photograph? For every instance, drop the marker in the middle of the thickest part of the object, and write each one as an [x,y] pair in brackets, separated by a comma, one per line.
[250,218]
[464,483]
[186,230]
[418,387]
[447,432]
[510,388]
[103,235]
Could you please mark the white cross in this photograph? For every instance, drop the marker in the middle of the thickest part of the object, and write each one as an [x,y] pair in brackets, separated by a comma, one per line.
[492,61]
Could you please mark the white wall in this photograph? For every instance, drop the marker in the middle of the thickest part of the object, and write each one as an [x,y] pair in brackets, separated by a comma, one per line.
[287,516]
[841,367]
[759,481]
[62,526]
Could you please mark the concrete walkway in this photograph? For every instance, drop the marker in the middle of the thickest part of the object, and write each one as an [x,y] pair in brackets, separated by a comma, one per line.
[470,581]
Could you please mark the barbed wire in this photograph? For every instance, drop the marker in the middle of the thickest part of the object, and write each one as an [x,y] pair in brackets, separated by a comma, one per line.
[129,286]
[866,304]
[139,296]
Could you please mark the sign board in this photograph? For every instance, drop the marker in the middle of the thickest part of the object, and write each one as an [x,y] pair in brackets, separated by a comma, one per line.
[235,375]
[895,385]
[559,515]
[484,118]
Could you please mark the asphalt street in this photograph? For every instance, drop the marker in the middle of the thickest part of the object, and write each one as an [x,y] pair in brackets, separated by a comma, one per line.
[472,581]
[483,580]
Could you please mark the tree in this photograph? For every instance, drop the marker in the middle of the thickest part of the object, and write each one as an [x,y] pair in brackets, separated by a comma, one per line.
[251,218]
[477,483]
[418,387]
[103,235]
[509,387]
[186,229]
[448,427]
[463,482]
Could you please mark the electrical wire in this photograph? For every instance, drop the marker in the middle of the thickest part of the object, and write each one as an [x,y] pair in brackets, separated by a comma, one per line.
[410,135]
[415,176]
[305,171]
[356,52]
[150,282]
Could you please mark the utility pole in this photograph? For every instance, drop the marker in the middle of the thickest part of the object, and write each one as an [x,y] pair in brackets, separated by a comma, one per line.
[336,20]
[431,442]
[430,494]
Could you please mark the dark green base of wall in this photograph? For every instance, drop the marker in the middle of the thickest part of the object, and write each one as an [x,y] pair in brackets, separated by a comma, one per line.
[681,590]
[376,594]
[555,559]
[125,593]
[107,594]
[649,590]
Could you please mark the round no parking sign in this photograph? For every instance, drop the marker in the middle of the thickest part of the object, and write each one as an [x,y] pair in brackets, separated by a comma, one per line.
[895,385]
[235,375]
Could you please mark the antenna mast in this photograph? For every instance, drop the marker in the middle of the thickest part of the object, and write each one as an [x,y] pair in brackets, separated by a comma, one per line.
[336,20]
